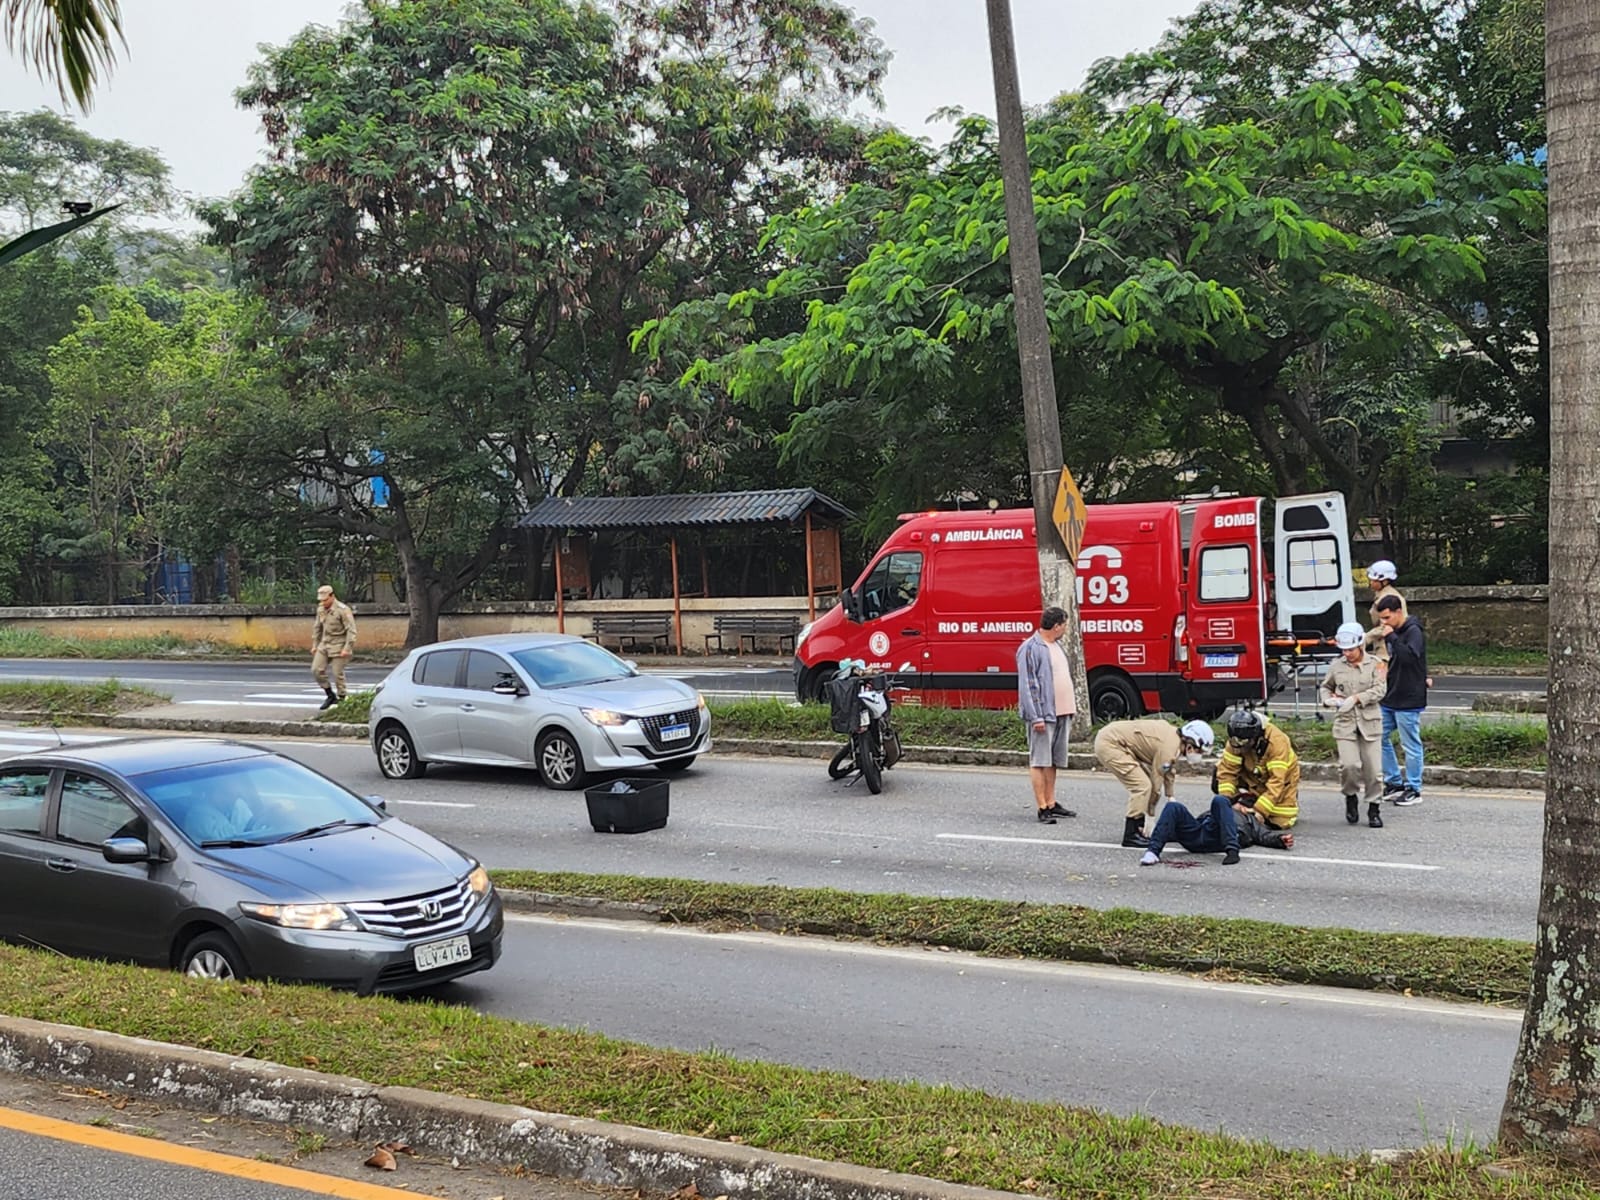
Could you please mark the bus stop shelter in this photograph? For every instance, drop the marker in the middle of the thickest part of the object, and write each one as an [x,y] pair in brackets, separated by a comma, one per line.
[677,517]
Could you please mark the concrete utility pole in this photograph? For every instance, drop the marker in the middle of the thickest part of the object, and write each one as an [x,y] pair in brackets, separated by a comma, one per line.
[1043,419]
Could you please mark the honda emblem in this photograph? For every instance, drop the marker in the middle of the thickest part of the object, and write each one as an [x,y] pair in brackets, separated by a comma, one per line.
[432,910]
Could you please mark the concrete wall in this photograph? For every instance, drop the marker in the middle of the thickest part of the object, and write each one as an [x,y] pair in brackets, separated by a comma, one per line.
[378,626]
[1485,616]
[1514,616]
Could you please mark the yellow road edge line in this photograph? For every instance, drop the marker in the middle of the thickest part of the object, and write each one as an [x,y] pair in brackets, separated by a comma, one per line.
[201,1160]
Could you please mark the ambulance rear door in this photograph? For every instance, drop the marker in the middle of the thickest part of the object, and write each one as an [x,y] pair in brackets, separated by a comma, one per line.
[1226,626]
[1313,586]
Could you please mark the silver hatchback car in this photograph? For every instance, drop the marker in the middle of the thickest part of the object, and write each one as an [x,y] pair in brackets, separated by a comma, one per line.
[553,702]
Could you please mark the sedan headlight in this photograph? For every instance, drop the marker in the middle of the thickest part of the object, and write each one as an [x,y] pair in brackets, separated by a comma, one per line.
[604,716]
[478,883]
[303,916]
[700,699]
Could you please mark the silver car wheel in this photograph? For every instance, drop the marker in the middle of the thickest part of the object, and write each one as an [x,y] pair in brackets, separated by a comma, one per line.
[394,754]
[558,761]
[209,964]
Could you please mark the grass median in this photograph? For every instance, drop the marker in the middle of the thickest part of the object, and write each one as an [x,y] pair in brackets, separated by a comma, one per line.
[76,701]
[946,1133]
[1461,968]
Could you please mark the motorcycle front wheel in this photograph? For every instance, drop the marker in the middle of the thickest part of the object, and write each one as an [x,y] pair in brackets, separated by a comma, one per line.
[844,762]
[868,762]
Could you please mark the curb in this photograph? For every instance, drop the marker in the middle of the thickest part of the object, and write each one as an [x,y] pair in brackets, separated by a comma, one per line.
[449,1126]
[1496,778]
[1512,702]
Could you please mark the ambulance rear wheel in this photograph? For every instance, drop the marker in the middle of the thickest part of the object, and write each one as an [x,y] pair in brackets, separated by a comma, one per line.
[1113,698]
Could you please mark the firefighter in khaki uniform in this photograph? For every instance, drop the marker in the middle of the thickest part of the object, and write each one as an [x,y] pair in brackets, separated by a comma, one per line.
[1381,575]
[1143,755]
[333,641]
[1355,684]
[1259,770]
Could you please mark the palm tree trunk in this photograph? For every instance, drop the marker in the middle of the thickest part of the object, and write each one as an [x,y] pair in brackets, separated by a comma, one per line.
[1554,1091]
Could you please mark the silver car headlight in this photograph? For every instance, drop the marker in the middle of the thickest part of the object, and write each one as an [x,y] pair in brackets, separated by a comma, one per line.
[303,916]
[604,716]
[478,886]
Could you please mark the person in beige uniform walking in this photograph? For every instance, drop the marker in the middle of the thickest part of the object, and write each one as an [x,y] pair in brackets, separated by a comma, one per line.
[333,641]
[1143,755]
[1354,684]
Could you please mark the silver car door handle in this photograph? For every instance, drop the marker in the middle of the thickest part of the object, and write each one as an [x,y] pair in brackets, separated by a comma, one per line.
[64,865]
[469,708]
[419,704]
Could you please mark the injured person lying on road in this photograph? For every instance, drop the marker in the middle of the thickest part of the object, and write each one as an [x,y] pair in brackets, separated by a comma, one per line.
[1228,826]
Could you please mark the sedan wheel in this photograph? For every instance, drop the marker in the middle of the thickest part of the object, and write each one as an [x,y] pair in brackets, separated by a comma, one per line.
[212,956]
[560,761]
[397,757]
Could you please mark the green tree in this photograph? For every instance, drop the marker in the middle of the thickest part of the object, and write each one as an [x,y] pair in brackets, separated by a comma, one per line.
[71,42]
[535,179]
[1193,269]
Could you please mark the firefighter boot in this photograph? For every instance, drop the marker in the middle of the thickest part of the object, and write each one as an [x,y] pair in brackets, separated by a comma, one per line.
[1352,807]
[331,700]
[1375,815]
[1133,833]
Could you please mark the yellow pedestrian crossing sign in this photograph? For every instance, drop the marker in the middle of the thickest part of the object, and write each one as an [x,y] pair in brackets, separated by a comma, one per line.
[1070,515]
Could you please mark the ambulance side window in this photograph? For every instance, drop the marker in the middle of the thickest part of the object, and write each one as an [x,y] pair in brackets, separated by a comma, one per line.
[893,584]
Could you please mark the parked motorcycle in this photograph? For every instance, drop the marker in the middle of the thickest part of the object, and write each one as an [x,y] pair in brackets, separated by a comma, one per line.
[860,710]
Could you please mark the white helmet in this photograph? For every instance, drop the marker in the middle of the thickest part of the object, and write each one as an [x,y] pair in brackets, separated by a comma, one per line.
[1198,732]
[1383,569]
[1350,635]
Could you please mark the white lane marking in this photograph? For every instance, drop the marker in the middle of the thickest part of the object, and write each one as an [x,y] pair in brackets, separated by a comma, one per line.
[966,963]
[845,833]
[1276,856]
[306,703]
[429,803]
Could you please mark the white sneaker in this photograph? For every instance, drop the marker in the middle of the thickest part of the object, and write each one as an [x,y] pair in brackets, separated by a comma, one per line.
[1150,859]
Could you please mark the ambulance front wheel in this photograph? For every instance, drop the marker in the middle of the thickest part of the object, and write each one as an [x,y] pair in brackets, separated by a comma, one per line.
[811,687]
[1113,697]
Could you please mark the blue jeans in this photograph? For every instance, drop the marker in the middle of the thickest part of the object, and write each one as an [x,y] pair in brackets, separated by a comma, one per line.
[1409,722]
[1211,834]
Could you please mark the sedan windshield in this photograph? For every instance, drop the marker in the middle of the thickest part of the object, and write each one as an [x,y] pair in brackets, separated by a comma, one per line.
[252,801]
[571,664]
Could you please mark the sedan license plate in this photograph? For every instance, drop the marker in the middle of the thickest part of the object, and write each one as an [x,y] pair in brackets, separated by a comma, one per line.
[1222,660]
[674,733]
[433,955]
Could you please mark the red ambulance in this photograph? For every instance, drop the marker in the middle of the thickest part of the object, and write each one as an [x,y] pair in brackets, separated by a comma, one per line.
[1178,610]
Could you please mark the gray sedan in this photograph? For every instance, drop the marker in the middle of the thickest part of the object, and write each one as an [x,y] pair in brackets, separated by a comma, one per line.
[553,702]
[230,861]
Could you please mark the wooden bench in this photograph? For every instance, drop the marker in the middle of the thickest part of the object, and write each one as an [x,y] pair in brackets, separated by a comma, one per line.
[629,629]
[748,625]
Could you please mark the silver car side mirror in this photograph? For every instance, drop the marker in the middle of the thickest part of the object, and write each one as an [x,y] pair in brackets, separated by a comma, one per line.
[377,802]
[507,689]
[126,850]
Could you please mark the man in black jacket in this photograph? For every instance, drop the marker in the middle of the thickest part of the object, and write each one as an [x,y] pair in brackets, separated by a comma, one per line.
[1404,701]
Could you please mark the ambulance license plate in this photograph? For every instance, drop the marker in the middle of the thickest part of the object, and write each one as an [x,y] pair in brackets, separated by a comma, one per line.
[1222,660]
[433,955]
[674,733]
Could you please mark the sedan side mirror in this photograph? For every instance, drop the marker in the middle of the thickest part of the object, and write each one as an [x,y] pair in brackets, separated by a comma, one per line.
[126,850]
[377,802]
[509,689]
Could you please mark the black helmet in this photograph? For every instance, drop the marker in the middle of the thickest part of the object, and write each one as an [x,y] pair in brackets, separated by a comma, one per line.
[1245,726]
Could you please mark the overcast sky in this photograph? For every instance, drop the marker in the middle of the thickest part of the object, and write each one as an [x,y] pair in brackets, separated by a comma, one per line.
[173,89]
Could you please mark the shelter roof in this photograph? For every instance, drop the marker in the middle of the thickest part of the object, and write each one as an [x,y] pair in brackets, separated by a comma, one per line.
[777,506]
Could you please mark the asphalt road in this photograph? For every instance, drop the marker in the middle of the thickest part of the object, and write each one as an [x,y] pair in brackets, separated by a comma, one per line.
[1460,863]
[289,686]
[1320,1068]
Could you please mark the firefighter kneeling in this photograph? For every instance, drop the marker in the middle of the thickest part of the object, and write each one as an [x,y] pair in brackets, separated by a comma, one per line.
[1143,755]
[1259,770]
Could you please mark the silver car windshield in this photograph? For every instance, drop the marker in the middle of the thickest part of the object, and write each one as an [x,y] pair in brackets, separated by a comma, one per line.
[252,801]
[571,664]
